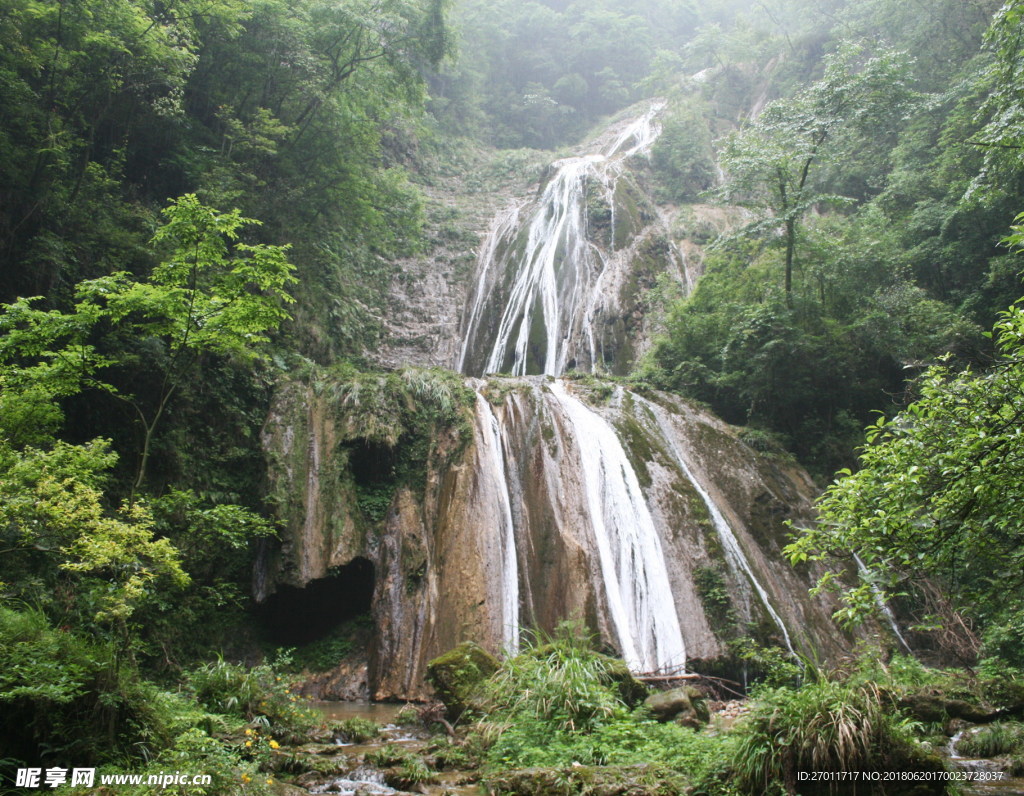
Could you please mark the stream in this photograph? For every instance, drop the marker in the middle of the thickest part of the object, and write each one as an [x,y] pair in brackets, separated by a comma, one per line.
[363,779]
[983,767]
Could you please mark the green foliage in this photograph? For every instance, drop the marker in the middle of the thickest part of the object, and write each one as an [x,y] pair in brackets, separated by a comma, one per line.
[826,725]
[540,74]
[212,295]
[768,164]
[58,528]
[990,740]
[358,729]
[682,156]
[714,596]
[769,667]
[257,694]
[560,703]
[935,496]
[67,696]
[560,682]
[902,674]
[232,772]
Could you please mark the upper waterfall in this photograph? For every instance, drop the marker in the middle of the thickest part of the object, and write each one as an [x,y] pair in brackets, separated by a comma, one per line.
[545,284]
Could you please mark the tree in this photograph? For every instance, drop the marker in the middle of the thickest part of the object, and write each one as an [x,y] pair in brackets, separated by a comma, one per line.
[52,508]
[211,295]
[939,495]
[769,163]
[1002,136]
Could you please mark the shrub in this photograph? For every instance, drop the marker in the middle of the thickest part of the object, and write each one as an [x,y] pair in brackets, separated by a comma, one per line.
[257,694]
[825,725]
[231,773]
[358,730]
[561,703]
[561,680]
[61,695]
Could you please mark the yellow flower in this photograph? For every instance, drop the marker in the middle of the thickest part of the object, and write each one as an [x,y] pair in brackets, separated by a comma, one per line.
[249,731]
[246,778]
[270,781]
[274,744]
[248,743]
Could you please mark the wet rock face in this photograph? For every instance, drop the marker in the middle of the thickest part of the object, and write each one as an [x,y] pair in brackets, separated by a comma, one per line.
[542,499]
[516,527]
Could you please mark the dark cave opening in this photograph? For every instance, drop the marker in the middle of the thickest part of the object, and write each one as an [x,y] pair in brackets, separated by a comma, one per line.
[372,464]
[296,617]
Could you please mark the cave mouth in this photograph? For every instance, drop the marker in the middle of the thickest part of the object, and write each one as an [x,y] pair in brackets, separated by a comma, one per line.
[299,616]
[372,464]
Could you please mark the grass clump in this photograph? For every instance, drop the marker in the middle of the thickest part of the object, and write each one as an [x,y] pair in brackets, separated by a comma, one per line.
[561,704]
[358,730]
[992,740]
[257,694]
[825,725]
[402,768]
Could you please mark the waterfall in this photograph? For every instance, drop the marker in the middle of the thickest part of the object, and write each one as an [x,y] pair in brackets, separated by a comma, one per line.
[494,451]
[636,581]
[735,557]
[546,288]
[543,274]
[883,606]
[488,260]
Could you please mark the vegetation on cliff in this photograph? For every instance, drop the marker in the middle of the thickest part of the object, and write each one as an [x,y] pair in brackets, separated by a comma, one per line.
[202,203]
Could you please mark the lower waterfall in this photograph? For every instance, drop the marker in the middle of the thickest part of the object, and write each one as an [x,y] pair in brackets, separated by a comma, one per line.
[632,562]
[536,500]
[491,439]
[734,554]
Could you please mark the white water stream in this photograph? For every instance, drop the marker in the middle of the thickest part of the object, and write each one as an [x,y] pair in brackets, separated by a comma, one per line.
[883,606]
[535,308]
[735,557]
[494,449]
[636,579]
[556,275]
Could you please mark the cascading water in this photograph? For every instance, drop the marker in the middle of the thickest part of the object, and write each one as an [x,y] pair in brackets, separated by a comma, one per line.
[632,563]
[735,557]
[883,606]
[546,278]
[543,278]
[565,502]
[491,441]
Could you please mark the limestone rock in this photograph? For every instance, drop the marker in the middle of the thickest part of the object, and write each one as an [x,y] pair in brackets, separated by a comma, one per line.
[457,675]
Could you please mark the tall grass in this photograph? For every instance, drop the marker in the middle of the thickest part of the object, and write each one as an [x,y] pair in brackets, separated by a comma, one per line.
[826,725]
[559,679]
[1001,738]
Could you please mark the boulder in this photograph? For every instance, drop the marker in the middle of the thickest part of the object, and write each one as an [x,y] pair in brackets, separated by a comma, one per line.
[457,675]
[937,708]
[685,706]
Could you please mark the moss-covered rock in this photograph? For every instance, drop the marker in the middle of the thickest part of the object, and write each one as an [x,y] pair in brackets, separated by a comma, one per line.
[933,707]
[631,691]
[457,674]
[685,706]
